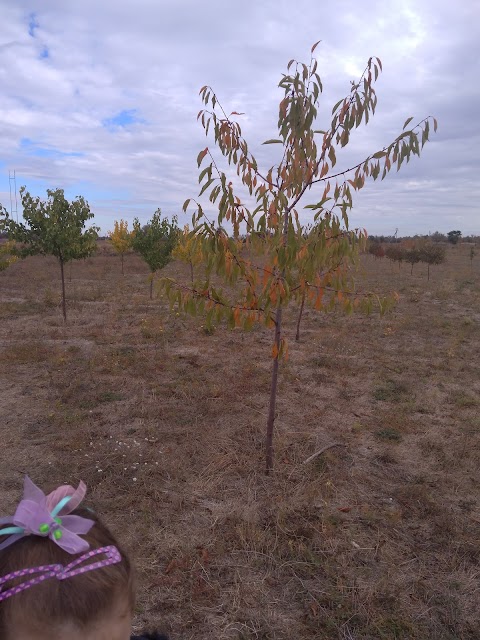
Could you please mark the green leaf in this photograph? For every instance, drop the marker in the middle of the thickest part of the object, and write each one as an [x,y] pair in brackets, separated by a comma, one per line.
[203,173]
[273,141]
[336,106]
[206,185]
[407,121]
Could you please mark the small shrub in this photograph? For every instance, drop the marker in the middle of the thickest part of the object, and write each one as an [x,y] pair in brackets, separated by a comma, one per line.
[464,400]
[388,434]
[110,396]
[392,391]
[51,299]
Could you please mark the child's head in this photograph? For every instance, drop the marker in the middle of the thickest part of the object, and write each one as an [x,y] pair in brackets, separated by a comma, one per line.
[95,604]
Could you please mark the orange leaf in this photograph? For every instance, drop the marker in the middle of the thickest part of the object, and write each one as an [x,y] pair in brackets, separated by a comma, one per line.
[201,156]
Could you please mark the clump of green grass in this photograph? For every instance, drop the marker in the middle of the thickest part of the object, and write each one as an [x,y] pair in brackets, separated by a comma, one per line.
[208,331]
[394,629]
[465,400]
[110,396]
[26,353]
[51,298]
[320,361]
[392,391]
[388,434]
[29,307]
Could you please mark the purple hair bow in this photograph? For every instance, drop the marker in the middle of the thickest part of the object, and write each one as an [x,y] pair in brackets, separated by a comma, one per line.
[47,516]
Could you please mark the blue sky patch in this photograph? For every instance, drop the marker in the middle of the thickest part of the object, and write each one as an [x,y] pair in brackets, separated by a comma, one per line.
[33,148]
[32,24]
[44,53]
[122,120]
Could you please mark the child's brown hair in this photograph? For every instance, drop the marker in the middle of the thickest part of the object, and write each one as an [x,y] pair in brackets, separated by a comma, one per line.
[81,600]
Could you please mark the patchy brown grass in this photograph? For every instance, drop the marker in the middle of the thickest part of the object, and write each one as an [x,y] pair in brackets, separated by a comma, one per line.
[377,538]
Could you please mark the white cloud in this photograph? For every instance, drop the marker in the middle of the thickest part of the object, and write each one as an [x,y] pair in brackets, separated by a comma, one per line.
[151,57]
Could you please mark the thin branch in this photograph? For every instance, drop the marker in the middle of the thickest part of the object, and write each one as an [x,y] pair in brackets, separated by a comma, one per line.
[322,450]
[367,159]
[207,296]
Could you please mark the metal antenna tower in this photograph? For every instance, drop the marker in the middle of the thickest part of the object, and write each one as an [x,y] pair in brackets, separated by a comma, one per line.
[13,178]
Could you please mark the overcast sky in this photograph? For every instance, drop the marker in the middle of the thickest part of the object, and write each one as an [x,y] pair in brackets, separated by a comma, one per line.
[100,97]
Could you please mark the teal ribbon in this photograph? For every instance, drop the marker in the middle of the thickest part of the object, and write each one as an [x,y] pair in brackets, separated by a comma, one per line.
[8,530]
[60,506]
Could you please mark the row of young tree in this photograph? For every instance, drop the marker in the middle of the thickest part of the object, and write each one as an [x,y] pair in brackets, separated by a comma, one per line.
[429,253]
[57,227]
[413,252]
[284,261]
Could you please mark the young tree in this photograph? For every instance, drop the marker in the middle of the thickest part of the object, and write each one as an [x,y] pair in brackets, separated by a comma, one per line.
[376,249]
[454,236]
[155,242]
[53,227]
[395,253]
[283,264]
[432,254]
[412,256]
[471,255]
[187,251]
[121,238]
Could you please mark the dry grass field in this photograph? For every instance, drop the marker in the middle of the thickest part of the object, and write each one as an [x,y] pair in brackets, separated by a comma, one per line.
[378,538]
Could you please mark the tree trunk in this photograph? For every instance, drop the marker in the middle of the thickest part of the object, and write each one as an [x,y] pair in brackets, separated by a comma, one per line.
[297,335]
[151,286]
[428,271]
[121,258]
[273,394]
[70,272]
[191,271]
[64,306]
[274,380]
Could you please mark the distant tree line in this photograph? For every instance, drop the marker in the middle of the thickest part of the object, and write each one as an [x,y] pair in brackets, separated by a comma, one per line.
[453,237]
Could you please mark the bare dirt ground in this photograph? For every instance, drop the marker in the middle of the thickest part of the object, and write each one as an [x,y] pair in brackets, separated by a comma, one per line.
[378,538]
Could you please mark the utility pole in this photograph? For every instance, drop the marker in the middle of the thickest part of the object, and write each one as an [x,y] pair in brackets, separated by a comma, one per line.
[12,178]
